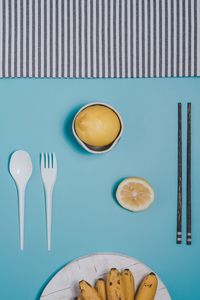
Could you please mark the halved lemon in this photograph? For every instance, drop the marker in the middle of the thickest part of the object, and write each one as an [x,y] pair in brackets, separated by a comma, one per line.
[135,194]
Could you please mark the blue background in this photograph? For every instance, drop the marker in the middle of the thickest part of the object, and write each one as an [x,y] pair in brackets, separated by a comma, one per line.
[36,116]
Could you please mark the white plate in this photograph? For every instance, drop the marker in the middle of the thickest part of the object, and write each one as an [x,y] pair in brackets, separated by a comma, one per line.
[64,285]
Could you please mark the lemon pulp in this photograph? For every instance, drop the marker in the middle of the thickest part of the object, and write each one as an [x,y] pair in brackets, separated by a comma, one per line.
[97,125]
[135,194]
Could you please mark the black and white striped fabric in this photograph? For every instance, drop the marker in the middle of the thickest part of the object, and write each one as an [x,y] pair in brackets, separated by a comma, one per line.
[99,38]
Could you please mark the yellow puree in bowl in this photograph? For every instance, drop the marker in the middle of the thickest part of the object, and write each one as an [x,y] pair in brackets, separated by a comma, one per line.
[97,125]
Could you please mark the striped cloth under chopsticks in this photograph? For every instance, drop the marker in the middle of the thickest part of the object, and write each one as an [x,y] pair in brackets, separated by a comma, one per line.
[99,38]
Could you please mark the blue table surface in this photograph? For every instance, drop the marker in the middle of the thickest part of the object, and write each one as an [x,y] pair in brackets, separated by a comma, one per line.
[36,116]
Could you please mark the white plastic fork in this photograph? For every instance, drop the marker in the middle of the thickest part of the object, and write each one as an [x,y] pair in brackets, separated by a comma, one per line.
[49,173]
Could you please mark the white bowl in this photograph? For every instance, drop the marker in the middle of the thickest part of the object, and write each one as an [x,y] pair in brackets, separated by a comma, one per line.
[93,149]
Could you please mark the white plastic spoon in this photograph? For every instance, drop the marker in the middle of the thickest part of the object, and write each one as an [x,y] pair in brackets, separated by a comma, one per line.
[21,170]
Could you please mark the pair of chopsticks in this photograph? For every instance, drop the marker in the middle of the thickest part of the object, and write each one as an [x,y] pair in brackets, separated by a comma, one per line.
[188,192]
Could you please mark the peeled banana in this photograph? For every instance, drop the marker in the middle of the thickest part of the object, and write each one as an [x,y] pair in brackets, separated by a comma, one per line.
[114,285]
[101,288]
[87,291]
[128,284]
[147,288]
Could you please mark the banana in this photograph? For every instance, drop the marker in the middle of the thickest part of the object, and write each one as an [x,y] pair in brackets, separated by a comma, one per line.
[128,284]
[147,288]
[87,291]
[114,285]
[101,288]
[80,297]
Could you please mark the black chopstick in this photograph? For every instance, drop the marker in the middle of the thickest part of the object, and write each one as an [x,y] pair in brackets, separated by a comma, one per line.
[179,198]
[189,236]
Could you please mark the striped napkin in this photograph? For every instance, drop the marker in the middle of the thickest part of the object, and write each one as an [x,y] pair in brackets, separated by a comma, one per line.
[99,38]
